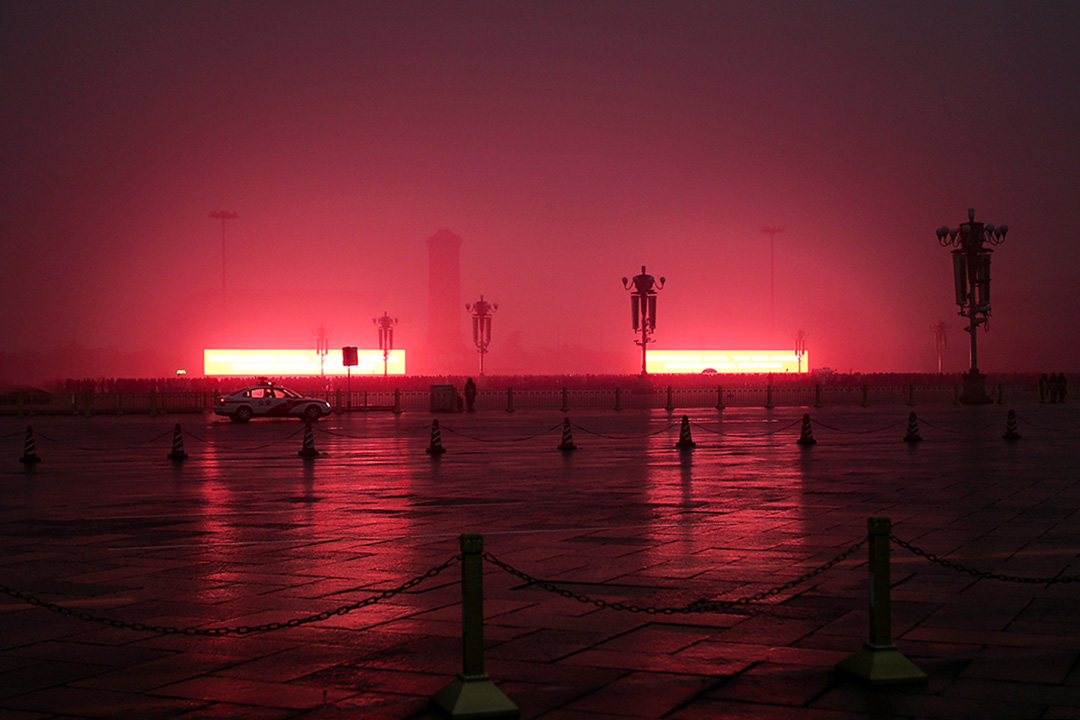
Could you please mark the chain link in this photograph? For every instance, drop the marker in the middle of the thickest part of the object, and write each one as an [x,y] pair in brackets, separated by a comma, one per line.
[240,630]
[944,562]
[698,606]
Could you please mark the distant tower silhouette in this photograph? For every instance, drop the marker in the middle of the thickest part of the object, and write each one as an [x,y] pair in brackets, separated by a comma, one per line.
[445,345]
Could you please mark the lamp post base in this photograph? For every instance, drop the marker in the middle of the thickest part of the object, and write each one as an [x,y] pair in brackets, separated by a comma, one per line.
[472,697]
[974,389]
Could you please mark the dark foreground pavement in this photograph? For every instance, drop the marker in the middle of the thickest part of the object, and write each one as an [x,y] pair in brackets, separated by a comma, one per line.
[245,532]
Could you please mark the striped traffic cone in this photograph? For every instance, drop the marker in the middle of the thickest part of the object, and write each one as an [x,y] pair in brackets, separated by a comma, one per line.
[685,441]
[806,437]
[1011,432]
[177,444]
[567,437]
[29,455]
[912,429]
[435,448]
[308,449]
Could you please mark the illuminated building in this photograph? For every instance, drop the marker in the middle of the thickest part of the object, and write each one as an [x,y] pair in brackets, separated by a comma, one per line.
[728,361]
[289,363]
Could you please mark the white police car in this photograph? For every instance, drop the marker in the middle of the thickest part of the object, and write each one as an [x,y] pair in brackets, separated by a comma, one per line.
[269,401]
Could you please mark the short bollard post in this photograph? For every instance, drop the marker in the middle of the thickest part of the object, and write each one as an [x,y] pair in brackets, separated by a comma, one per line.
[1001,394]
[719,397]
[768,396]
[509,399]
[911,395]
[817,395]
[397,401]
[865,395]
[879,662]
[565,401]
[670,406]
[337,401]
[472,694]
[618,398]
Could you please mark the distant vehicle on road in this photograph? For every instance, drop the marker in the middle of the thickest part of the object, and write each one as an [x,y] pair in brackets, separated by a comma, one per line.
[269,401]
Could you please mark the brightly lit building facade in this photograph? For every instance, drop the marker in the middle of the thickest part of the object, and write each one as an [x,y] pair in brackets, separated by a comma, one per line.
[727,361]
[287,363]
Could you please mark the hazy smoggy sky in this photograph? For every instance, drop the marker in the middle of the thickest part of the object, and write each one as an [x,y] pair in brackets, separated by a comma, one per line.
[567,143]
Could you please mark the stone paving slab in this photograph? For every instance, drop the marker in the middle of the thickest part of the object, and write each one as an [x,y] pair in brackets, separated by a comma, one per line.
[245,532]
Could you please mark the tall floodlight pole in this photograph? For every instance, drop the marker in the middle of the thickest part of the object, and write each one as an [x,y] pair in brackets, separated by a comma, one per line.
[941,340]
[481,311]
[643,289]
[223,216]
[971,276]
[386,338]
[772,232]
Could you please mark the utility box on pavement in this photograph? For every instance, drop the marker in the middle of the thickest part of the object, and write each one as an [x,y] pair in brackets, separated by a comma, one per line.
[444,398]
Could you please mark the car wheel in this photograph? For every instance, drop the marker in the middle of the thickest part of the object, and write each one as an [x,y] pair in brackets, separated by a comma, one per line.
[313,412]
[242,414]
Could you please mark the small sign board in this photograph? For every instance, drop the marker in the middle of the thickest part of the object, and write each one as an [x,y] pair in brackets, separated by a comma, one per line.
[348,356]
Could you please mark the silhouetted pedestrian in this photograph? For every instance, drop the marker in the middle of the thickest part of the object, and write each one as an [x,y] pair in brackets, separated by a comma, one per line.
[470,394]
[1063,385]
[1044,388]
[1055,387]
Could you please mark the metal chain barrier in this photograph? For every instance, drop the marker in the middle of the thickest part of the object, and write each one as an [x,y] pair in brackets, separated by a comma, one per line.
[452,431]
[115,449]
[698,606]
[279,441]
[335,433]
[761,434]
[983,428]
[623,437]
[944,562]
[1043,427]
[854,432]
[240,630]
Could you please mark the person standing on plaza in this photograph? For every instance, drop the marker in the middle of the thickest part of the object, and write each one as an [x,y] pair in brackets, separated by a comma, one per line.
[1044,388]
[470,394]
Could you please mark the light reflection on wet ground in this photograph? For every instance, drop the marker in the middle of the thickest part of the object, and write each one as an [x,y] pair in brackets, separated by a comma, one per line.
[246,531]
[502,473]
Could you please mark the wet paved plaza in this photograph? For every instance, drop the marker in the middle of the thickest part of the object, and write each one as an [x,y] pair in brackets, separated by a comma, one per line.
[245,532]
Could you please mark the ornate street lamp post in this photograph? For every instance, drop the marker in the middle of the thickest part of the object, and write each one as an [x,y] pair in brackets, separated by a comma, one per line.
[223,216]
[941,340]
[386,337]
[800,347]
[643,290]
[481,311]
[772,233]
[322,348]
[971,275]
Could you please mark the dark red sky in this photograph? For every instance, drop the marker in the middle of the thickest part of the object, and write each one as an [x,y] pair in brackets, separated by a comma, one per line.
[567,143]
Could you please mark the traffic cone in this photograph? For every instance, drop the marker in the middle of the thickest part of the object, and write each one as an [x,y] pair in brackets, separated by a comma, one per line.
[308,450]
[685,441]
[806,437]
[912,429]
[1011,432]
[435,448]
[177,444]
[567,437]
[29,455]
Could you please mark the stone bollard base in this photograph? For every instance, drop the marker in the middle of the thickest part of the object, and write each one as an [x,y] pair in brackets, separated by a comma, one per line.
[881,665]
[473,696]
